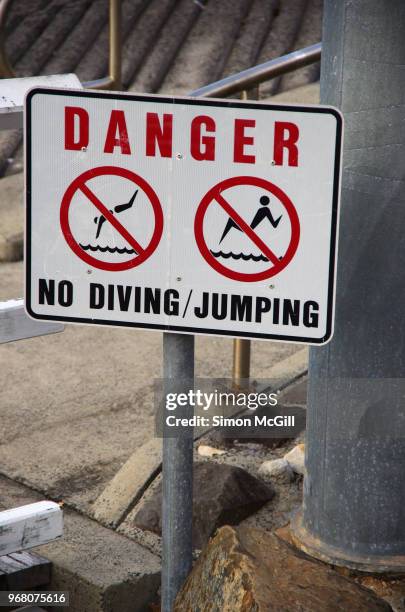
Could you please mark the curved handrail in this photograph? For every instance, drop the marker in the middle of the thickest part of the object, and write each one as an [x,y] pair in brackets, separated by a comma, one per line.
[247,79]
[112,81]
[5,67]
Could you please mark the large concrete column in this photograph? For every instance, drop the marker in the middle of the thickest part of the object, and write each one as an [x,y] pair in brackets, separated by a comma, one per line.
[354,498]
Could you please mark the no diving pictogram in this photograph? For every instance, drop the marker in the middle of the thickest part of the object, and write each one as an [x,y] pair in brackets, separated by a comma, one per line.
[217,196]
[138,247]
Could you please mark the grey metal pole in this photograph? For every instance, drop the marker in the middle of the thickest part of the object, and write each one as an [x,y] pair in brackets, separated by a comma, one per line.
[177,510]
[354,493]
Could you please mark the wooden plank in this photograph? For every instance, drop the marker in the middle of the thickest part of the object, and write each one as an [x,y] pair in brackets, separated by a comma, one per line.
[28,559]
[15,324]
[28,526]
[8,565]
[22,571]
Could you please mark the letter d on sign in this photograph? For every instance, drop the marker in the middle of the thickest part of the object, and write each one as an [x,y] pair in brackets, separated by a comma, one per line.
[96,295]
[76,128]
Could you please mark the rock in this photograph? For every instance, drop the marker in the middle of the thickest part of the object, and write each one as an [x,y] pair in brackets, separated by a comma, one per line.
[391,588]
[250,570]
[277,468]
[296,458]
[209,451]
[252,447]
[223,494]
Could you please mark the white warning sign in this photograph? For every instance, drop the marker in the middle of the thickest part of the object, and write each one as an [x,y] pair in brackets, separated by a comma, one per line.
[180,214]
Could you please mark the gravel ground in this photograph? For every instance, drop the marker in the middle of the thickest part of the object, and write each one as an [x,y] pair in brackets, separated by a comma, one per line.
[249,456]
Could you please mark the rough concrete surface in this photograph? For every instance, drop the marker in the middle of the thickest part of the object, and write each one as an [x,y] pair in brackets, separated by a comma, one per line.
[85,398]
[305,94]
[101,569]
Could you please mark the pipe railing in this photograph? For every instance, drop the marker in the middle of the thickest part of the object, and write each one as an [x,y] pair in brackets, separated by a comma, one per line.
[6,70]
[112,81]
[248,79]
[114,78]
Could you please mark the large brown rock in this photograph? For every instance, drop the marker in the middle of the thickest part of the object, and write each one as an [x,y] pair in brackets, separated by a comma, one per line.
[223,494]
[250,570]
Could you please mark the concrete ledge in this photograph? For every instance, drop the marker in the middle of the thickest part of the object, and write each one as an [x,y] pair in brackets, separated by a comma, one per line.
[129,483]
[102,570]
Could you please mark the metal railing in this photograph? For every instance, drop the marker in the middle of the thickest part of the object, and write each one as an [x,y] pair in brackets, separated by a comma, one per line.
[5,67]
[252,77]
[112,81]
[114,78]
[245,83]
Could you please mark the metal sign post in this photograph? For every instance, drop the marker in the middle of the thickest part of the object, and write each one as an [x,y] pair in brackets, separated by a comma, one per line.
[177,474]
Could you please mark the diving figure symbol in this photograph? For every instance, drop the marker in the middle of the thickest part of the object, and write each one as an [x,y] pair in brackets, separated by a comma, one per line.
[117,209]
[100,220]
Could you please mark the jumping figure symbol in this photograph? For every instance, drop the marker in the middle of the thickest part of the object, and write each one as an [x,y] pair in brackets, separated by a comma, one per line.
[262,213]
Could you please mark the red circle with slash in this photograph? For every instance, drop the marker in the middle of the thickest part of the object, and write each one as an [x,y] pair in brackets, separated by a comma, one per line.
[215,195]
[79,184]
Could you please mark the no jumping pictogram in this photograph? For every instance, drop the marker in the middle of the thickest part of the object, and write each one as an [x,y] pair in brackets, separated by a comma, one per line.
[272,253]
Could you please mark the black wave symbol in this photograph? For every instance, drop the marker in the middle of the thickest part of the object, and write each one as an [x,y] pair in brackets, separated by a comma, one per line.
[90,247]
[239,256]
